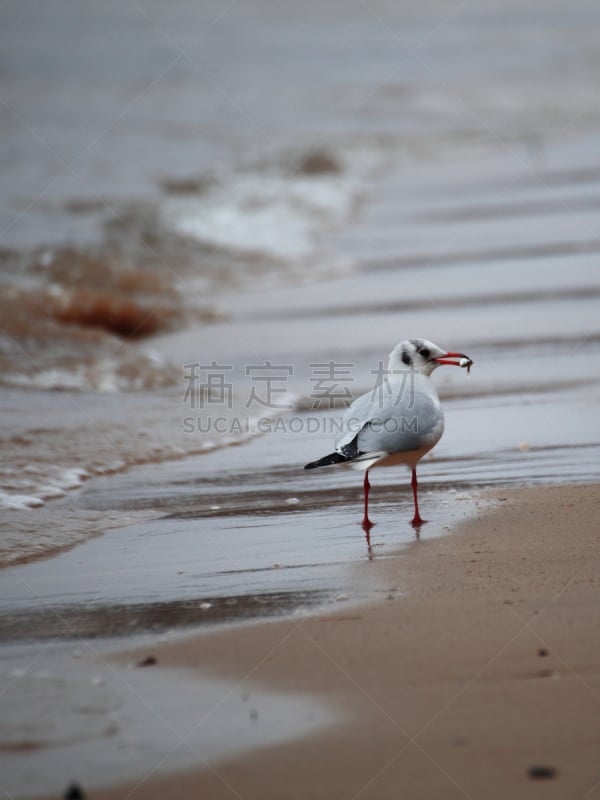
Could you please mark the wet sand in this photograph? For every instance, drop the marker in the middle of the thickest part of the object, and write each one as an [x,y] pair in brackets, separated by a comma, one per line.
[475,674]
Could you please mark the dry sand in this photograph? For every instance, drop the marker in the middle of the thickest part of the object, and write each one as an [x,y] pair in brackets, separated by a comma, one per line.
[486,666]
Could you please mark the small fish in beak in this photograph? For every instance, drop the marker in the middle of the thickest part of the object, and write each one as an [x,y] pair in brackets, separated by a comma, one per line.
[466,362]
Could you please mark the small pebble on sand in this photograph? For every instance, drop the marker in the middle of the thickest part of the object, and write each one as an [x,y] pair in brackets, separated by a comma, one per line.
[539,772]
[74,792]
[149,661]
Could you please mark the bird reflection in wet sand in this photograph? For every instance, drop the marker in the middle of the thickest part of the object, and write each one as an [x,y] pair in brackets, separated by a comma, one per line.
[398,422]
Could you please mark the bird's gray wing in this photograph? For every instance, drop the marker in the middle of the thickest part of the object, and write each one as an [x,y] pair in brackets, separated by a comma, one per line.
[354,419]
[392,422]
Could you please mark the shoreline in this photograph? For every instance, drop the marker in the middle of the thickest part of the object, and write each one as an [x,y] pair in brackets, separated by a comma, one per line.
[481,672]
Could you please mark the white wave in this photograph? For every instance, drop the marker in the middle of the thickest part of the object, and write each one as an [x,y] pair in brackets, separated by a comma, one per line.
[73,379]
[143,370]
[31,486]
[265,213]
[71,478]
[18,502]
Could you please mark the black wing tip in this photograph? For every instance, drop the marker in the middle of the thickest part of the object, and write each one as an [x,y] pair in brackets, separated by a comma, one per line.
[332,458]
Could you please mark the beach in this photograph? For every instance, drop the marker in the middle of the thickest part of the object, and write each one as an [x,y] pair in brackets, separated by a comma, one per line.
[472,672]
[215,224]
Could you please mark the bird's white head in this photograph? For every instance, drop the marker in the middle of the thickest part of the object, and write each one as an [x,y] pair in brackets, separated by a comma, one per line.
[423,356]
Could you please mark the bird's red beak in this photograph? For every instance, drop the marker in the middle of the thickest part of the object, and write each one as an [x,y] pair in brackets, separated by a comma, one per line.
[449,358]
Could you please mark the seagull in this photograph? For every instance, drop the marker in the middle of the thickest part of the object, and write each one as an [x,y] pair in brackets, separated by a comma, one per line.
[399,421]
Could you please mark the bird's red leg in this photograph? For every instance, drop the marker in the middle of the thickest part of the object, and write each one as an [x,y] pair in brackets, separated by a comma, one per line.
[417,520]
[366,523]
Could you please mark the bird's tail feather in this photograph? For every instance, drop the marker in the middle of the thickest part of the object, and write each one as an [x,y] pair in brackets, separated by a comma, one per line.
[332,458]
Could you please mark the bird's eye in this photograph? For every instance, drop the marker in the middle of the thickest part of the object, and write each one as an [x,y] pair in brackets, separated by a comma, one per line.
[405,357]
[425,352]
